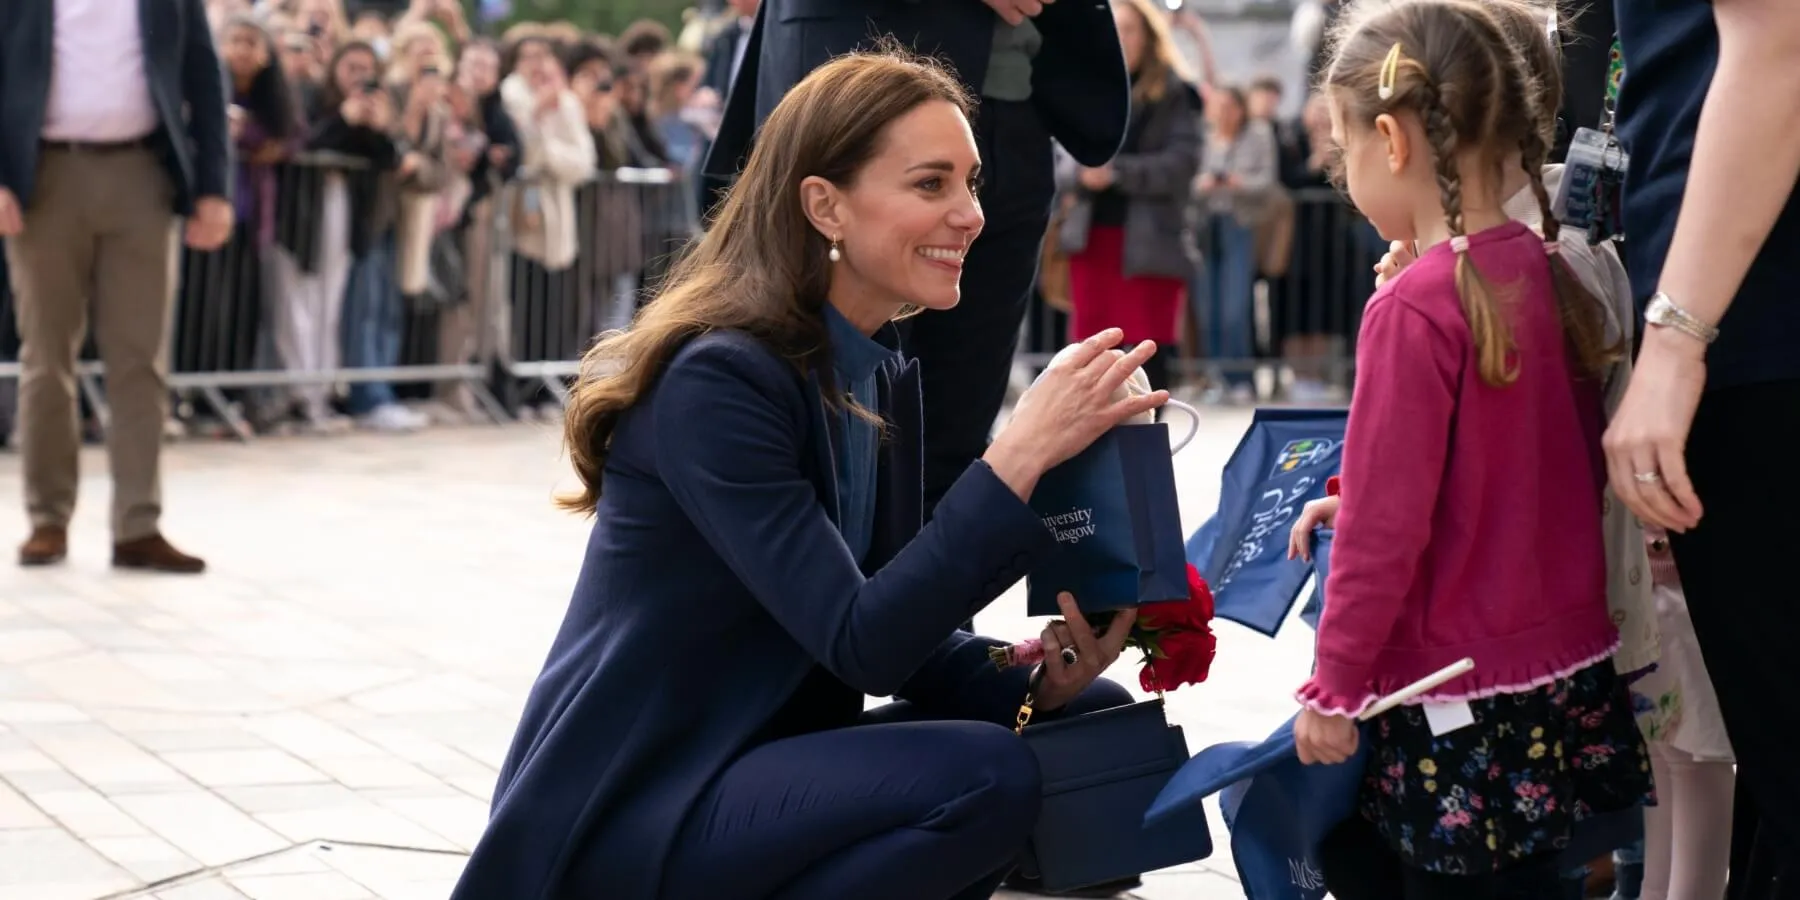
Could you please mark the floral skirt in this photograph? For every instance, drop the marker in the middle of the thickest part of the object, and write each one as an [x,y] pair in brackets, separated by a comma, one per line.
[1487,796]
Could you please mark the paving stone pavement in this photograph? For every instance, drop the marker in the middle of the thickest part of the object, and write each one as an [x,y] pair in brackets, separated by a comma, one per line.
[321,715]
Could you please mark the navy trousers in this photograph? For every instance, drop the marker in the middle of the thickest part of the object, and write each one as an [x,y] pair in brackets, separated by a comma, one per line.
[900,807]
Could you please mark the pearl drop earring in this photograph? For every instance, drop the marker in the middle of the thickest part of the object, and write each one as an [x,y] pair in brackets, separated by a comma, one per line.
[834,254]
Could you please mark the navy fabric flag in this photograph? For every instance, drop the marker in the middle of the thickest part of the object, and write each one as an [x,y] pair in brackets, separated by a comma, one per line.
[1114,511]
[1281,464]
[1278,811]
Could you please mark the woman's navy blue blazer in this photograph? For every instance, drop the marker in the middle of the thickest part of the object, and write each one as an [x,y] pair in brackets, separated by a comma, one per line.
[716,583]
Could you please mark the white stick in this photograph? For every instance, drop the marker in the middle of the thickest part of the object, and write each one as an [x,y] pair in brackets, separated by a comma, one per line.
[1454,670]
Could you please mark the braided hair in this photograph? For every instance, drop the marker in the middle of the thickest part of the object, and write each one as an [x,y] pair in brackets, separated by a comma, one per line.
[1462,72]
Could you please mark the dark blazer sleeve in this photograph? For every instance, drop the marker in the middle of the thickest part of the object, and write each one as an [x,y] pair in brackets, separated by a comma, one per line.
[737,127]
[729,423]
[1078,80]
[203,87]
[1165,172]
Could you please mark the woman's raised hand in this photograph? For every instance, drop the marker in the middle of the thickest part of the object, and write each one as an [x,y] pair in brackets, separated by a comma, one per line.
[1068,408]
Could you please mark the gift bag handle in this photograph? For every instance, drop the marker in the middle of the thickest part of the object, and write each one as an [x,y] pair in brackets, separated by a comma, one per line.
[1193,417]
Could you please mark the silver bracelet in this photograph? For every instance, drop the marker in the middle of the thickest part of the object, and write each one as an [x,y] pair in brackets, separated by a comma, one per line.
[1663,312]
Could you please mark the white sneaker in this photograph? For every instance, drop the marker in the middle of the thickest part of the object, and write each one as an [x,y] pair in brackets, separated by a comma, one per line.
[1306,390]
[393,418]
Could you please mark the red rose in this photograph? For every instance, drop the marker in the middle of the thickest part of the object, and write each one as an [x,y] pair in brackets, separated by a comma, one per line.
[1185,658]
[1197,612]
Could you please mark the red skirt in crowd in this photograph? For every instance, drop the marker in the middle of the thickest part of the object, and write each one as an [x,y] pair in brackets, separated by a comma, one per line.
[1145,307]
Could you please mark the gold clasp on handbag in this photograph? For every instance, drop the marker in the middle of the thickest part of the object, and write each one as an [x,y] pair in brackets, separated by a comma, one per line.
[1031,689]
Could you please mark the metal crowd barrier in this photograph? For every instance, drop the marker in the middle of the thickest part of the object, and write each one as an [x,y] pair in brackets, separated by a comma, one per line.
[1314,292]
[267,320]
[630,224]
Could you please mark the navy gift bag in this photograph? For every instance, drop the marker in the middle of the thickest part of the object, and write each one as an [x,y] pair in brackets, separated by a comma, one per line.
[1117,523]
[1281,464]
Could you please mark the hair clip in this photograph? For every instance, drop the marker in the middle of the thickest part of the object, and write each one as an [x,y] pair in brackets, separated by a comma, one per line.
[1554,248]
[1459,243]
[1390,73]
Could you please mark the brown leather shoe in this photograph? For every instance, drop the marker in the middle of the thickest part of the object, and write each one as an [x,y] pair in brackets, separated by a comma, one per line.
[47,546]
[154,554]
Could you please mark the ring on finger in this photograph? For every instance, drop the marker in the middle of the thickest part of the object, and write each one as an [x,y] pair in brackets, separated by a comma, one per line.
[1069,656]
[1648,477]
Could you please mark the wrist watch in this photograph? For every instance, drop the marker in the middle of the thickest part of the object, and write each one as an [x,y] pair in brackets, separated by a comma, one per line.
[1663,312]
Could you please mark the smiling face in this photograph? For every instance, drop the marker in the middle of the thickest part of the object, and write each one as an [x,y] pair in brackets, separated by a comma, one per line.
[906,220]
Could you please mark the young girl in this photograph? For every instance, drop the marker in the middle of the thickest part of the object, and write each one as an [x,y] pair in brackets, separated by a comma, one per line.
[1470,523]
[1688,831]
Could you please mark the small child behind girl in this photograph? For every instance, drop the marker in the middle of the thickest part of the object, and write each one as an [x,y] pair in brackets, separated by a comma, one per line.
[1470,523]
[1687,835]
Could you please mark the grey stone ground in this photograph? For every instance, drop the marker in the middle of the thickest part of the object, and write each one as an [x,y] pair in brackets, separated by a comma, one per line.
[320,717]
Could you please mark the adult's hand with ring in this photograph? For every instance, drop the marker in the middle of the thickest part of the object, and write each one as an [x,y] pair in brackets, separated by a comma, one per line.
[1069,407]
[1646,444]
[1064,681]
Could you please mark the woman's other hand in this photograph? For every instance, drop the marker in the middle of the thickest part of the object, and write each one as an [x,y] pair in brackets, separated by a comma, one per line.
[1646,442]
[1063,681]
[1318,514]
[1068,408]
[1323,739]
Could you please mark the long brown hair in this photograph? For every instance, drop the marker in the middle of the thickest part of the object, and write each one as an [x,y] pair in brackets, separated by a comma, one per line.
[761,267]
[1161,63]
[1473,86]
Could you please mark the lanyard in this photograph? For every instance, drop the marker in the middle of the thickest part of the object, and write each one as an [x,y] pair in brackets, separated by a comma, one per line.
[1615,74]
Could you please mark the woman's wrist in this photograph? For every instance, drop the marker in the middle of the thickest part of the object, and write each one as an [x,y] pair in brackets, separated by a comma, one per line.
[1016,467]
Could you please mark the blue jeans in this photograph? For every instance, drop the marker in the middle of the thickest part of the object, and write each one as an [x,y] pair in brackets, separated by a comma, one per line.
[1226,303]
[372,324]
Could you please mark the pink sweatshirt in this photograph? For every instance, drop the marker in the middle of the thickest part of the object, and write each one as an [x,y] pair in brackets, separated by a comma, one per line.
[1470,516]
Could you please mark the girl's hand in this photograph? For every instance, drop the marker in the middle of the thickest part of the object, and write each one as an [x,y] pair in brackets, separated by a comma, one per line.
[1318,514]
[1322,739]
[1648,435]
[355,111]
[1398,257]
[1068,408]
[1093,654]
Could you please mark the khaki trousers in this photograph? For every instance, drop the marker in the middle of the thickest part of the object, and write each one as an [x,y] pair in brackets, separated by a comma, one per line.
[99,236]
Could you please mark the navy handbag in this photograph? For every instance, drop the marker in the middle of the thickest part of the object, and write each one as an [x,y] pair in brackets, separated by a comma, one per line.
[1102,771]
